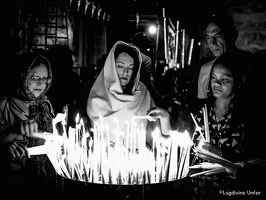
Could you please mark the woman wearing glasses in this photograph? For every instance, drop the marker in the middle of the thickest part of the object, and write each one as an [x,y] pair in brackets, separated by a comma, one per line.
[26,111]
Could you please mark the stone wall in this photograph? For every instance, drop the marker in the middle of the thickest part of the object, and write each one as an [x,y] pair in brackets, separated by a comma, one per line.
[250,21]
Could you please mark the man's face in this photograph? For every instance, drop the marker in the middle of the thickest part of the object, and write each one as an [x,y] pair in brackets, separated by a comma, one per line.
[216,40]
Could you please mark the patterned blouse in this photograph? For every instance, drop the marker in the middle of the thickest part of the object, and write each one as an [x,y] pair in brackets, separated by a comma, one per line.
[227,133]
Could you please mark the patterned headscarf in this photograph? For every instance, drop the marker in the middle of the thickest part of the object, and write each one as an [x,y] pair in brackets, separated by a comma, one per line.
[40,108]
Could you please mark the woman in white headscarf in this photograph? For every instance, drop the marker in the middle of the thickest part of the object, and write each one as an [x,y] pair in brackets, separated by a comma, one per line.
[118,94]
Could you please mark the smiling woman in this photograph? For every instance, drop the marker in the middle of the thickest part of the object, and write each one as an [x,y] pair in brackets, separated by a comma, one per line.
[26,110]
[38,80]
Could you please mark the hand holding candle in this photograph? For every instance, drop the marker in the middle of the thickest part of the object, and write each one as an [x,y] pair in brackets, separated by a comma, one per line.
[163,116]
[206,123]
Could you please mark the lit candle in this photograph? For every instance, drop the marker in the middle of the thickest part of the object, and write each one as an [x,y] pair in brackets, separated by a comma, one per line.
[77,120]
[176,41]
[165,37]
[127,136]
[174,156]
[82,126]
[98,162]
[206,123]
[190,51]
[183,48]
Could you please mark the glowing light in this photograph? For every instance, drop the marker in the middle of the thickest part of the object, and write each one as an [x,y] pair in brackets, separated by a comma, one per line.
[152,29]
[89,157]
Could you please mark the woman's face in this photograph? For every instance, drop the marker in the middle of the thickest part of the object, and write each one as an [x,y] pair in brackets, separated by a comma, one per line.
[38,80]
[221,82]
[124,66]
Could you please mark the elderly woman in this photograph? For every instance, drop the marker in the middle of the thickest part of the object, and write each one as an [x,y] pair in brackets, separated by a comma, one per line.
[117,93]
[26,111]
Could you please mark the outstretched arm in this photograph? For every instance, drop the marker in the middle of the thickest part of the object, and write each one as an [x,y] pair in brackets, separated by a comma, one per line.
[164,116]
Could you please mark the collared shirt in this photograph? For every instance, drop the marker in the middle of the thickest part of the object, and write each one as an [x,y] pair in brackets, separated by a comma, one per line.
[203,80]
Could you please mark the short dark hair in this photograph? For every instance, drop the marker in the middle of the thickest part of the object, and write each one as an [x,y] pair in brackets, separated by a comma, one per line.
[225,22]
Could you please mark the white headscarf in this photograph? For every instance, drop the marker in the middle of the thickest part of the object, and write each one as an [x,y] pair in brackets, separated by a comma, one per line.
[107,99]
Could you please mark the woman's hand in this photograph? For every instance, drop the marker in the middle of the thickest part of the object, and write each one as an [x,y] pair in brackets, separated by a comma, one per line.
[158,113]
[18,150]
[212,148]
[165,121]
[28,128]
[242,173]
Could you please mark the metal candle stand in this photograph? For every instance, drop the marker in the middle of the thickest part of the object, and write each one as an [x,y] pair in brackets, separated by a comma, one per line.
[166,190]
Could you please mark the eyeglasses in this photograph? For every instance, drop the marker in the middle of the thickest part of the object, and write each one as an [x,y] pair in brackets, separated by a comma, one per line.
[37,79]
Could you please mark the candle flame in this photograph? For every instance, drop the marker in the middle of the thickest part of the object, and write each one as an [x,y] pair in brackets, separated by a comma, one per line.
[77,118]
[88,156]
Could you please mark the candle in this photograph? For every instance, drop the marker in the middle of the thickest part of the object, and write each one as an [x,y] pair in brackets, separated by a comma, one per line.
[206,123]
[82,126]
[190,51]
[165,37]
[183,48]
[127,136]
[197,127]
[174,156]
[91,159]
[184,155]
[176,41]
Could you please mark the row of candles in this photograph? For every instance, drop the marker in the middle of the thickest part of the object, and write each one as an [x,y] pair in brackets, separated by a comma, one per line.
[170,31]
[88,156]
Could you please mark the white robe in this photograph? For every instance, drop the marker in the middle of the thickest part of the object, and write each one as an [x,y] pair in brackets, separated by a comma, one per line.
[107,99]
